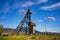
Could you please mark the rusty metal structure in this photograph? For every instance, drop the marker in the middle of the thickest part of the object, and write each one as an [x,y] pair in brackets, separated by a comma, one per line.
[26,25]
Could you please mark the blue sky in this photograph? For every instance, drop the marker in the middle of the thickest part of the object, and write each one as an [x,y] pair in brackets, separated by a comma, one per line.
[44,12]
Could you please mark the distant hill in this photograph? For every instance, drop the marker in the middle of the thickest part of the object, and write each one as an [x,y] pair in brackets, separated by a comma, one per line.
[37,32]
[8,29]
[53,33]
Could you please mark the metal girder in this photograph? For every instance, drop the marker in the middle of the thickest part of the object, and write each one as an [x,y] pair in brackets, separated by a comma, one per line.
[26,20]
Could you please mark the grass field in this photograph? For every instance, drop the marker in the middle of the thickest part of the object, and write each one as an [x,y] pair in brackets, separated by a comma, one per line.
[30,37]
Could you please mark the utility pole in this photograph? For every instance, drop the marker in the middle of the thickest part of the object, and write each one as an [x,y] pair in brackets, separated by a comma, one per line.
[45,32]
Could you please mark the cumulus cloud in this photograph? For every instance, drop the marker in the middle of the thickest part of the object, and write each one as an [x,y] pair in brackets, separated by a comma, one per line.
[51,18]
[40,20]
[22,11]
[53,6]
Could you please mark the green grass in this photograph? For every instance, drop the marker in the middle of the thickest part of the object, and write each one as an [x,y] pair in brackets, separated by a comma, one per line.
[30,37]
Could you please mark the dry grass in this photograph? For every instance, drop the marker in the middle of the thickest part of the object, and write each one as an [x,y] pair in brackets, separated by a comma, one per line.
[30,37]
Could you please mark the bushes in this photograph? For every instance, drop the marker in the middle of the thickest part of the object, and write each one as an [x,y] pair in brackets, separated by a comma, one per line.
[1,28]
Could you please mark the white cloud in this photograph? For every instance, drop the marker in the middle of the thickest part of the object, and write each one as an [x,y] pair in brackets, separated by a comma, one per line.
[54,6]
[27,4]
[22,11]
[41,1]
[34,3]
[40,20]
[16,4]
[51,18]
